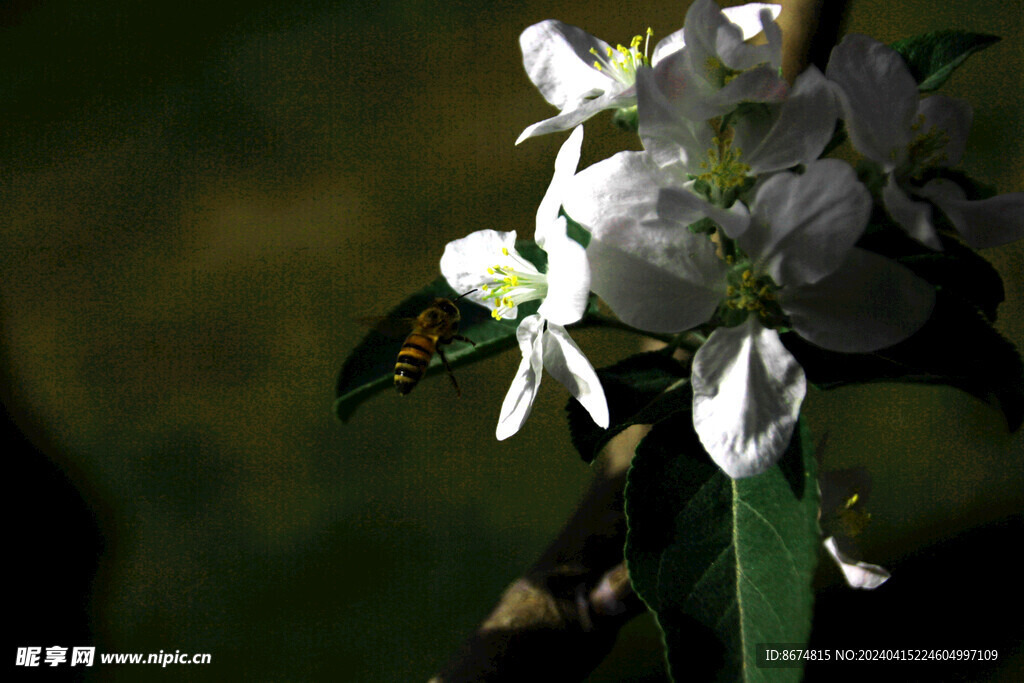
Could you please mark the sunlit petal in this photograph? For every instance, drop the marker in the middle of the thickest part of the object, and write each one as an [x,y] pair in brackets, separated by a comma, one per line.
[567,364]
[858,574]
[465,261]
[557,59]
[568,278]
[747,391]
[519,399]
[565,167]
[575,115]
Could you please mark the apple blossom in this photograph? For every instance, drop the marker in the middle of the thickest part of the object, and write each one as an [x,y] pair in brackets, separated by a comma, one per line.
[791,264]
[487,260]
[583,75]
[906,135]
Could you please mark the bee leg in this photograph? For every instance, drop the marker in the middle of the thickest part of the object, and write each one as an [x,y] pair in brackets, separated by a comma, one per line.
[451,375]
[464,339]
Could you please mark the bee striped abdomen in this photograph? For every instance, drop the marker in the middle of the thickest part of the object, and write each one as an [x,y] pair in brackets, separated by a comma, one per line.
[412,362]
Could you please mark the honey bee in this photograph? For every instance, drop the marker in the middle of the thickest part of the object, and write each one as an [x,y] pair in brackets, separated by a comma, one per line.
[437,325]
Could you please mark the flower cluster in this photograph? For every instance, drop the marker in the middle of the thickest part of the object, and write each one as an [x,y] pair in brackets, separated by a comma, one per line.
[730,222]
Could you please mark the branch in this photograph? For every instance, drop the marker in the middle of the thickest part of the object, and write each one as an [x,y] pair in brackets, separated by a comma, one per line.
[560,619]
[810,28]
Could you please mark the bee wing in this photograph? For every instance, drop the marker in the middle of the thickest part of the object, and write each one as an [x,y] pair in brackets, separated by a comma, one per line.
[395,328]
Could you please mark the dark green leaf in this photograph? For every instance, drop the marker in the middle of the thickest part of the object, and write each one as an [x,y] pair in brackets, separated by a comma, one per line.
[961,271]
[636,391]
[724,564]
[957,347]
[529,250]
[371,365]
[932,57]
[958,270]
[576,231]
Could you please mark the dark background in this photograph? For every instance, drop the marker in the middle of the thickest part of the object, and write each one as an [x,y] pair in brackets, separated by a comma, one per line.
[200,200]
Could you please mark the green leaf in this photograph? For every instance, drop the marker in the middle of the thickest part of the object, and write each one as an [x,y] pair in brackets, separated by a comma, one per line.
[638,392]
[932,57]
[576,231]
[961,271]
[956,347]
[371,365]
[958,270]
[724,564]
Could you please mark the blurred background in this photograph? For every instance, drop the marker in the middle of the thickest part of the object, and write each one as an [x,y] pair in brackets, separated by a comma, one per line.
[201,199]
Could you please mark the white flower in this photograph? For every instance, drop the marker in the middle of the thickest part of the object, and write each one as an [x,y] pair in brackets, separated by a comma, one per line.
[487,260]
[858,574]
[796,267]
[718,69]
[725,156]
[582,75]
[890,124]
[843,494]
[776,136]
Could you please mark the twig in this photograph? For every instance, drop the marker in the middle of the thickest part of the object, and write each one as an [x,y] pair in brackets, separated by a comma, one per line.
[809,30]
[560,619]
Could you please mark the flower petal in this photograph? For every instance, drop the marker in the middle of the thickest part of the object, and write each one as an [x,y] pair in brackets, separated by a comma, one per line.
[983,223]
[758,84]
[914,217]
[747,391]
[670,44]
[568,277]
[742,55]
[656,275]
[567,364]
[646,295]
[683,207]
[797,133]
[565,167]
[709,34]
[878,95]
[694,97]
[869,303]
[619,191]
[748,17]
[858,574]
[557,59]
[804,226]
[465,261]
[952,116]
[668,135]
[519,399]
[577,114]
